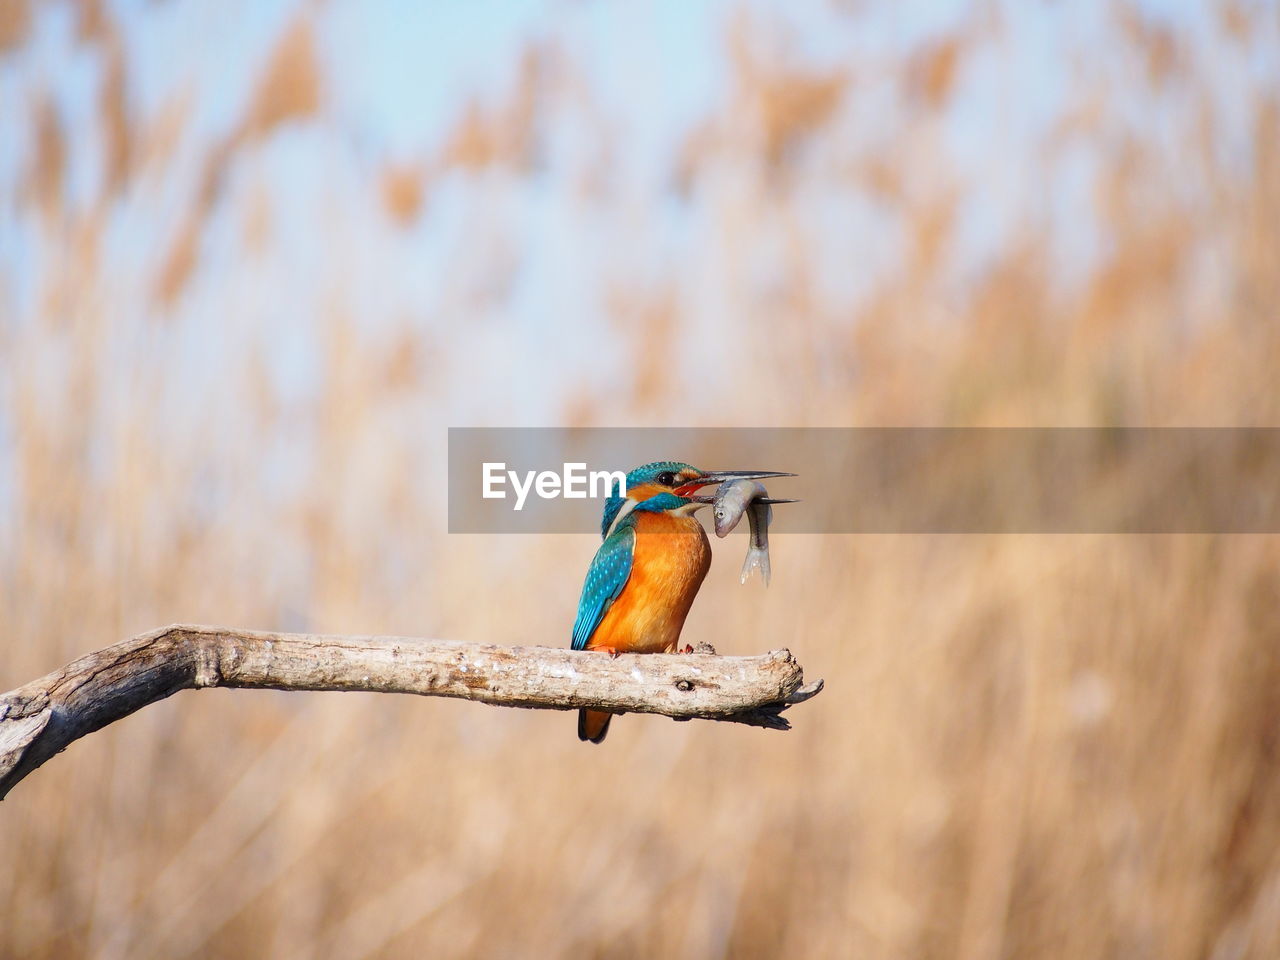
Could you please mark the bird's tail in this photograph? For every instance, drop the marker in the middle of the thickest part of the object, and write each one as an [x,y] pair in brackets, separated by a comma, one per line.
[593,725]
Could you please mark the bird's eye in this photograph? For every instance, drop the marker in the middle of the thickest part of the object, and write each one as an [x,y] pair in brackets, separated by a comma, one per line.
[667,479]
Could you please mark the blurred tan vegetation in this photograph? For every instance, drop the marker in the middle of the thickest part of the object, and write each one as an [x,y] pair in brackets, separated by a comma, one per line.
[1029,746]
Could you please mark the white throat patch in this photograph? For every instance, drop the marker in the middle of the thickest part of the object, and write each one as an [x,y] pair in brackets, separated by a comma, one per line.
[627,506]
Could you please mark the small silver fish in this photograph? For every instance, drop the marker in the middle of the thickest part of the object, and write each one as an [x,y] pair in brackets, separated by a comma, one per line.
[732,501]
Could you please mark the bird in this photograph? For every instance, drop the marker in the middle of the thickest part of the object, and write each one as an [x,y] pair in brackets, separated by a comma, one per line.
[640,586]
[645,576]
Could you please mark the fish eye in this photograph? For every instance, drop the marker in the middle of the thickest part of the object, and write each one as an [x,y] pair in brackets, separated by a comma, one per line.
[667,479]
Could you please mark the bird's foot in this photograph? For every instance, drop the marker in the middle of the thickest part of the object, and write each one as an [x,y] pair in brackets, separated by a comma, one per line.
[703,647]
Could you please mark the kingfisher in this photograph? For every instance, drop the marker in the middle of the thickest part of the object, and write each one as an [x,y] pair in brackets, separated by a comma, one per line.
[643,579]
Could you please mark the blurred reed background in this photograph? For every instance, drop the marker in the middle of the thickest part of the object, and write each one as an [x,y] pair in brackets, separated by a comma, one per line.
[256,257]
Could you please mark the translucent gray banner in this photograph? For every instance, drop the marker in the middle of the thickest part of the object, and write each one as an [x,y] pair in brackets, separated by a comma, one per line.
[891,480]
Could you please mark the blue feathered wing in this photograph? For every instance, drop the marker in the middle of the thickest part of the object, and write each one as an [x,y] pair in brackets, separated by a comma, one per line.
[606,577]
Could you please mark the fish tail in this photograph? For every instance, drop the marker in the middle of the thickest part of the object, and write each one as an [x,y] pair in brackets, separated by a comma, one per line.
[593,725]
[756,560]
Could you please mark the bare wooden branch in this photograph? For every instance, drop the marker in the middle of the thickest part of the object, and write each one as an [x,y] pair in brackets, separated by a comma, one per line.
[41,718]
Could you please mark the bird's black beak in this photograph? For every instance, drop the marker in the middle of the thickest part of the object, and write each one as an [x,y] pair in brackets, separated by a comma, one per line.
[714,477]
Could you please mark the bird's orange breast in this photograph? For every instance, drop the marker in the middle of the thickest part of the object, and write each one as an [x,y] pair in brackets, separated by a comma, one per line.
[671,560]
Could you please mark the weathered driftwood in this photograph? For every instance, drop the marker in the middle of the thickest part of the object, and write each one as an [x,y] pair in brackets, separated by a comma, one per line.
[41,718]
